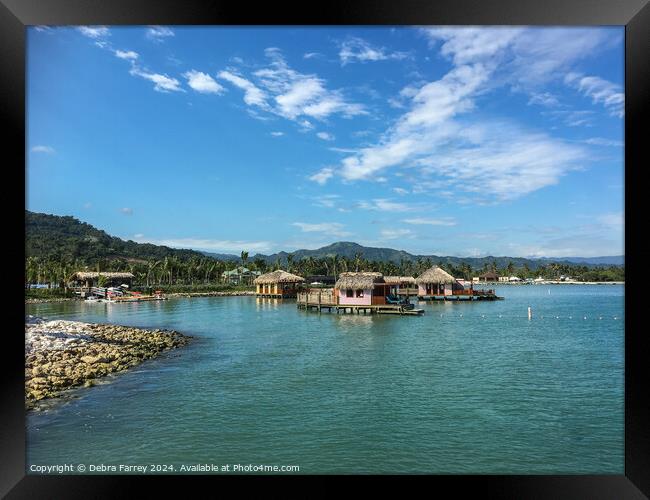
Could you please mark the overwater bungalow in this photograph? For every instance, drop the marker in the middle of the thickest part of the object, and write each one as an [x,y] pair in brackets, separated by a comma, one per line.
[278,284]
[401,285]
[438,284]
[437,281]
[360,288]
[357,292]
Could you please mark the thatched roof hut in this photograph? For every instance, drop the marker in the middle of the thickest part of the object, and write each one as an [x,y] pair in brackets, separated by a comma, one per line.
[435,275]
[489,276]
[362,280]
[278,276]
[399,280]
[91,275]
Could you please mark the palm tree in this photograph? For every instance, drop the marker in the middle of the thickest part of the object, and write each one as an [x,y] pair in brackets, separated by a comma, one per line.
[244,257]
[357,261]
[289,262]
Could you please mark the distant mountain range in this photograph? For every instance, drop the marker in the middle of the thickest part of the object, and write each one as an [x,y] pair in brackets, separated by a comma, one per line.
[350,249]
[53,236]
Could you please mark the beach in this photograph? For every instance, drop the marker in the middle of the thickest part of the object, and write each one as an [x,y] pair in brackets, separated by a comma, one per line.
[63,354]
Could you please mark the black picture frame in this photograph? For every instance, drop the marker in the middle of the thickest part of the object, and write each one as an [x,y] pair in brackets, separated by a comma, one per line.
[15,15]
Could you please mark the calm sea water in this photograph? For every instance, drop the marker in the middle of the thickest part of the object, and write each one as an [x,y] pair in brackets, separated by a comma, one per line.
[465,388]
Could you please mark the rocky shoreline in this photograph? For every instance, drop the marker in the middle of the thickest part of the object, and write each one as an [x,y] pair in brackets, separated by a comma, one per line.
[60,355]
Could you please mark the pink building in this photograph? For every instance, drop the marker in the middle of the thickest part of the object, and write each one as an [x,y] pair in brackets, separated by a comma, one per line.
[360,289]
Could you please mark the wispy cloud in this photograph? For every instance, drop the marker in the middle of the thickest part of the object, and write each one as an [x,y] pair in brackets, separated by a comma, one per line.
[43,149]
[322,176]
[158,33]
[601,91]
[393,234]
[599,141]
[445,221]
[283,91]
[277,134]
[162,83]
[126,211]
[253,95]
[94,32]
[432,140]
[385,205]
[355,49]
[326,136]
[203,83]
[129,55]
[329,228]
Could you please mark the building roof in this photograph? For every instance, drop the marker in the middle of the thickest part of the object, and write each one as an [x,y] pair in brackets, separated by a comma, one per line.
[398,280]
[361,280]
[278,276]
[239,270]
[435,275]
[489,274]
[83,275]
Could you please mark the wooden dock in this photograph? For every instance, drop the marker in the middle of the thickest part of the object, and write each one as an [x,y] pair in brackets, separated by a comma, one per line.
[317,301]
[463,295]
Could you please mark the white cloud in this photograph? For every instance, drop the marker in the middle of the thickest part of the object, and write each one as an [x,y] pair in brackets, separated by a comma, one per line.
[312,55]
[393,234]
[126,211]
[253,96]
[401,191]
[330,228]
[94,32]
[159,33]
[203,83]
[599,141]
[601,91]
[544,99]
[445,221]
[356,49]
[467,45]
[614,220]
[129,55]
[485,159]
[43,149]
[326,136]
[295,96]
[384,205]
[322,176]
[162,83]
[327,200]
[277,134]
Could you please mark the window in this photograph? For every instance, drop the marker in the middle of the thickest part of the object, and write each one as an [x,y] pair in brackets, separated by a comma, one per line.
[348,293]
[359,293]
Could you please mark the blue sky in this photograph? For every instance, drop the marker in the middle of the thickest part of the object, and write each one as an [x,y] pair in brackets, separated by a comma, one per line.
[465,141]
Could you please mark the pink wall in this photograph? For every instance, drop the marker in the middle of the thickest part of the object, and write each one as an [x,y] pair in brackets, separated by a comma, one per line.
[366,300]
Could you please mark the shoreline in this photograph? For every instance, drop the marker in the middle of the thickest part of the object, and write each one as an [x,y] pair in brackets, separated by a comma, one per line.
[61,355]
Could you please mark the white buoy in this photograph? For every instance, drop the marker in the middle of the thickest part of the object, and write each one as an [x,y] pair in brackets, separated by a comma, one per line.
[530,313]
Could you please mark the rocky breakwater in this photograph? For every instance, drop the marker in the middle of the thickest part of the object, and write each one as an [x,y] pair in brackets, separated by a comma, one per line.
[63,354]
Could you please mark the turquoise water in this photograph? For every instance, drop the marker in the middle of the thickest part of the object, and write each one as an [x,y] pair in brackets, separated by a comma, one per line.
[265,383]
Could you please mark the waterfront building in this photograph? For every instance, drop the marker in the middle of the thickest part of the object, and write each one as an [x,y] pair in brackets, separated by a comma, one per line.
[279,284]
[361,289]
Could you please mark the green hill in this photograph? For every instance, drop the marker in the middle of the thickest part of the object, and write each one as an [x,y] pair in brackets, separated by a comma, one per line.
[57,237]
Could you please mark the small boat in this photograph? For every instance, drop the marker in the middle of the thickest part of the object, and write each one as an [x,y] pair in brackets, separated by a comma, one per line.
[93,298]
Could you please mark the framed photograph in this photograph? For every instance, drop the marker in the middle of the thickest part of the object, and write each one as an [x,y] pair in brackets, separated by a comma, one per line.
[372,240]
